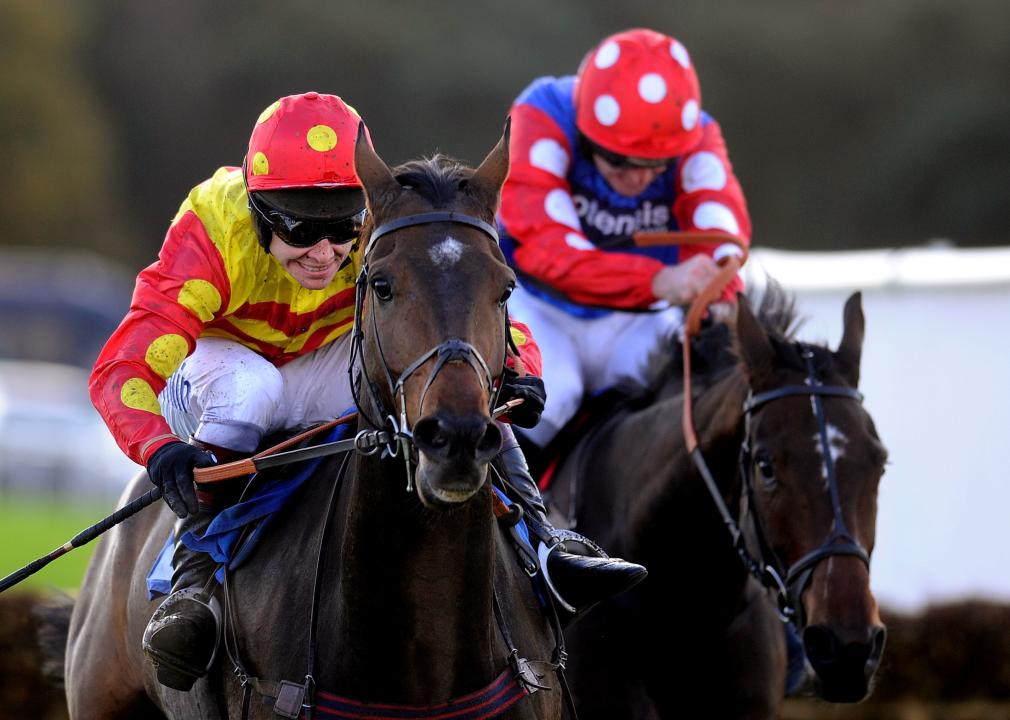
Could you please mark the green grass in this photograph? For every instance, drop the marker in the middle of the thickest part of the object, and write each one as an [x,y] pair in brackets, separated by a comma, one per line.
[31,528]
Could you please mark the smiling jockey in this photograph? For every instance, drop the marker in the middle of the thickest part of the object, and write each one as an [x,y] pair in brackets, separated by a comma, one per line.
[241,329]
[622,147]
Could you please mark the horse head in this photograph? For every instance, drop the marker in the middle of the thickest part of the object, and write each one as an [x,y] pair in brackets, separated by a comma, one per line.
[434,277]
[812,464]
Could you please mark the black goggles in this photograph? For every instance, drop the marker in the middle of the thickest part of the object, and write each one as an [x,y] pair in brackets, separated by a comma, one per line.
[622,162]
[301,233]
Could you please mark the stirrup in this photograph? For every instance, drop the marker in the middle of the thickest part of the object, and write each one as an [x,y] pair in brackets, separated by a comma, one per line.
[557,539]
[174,668]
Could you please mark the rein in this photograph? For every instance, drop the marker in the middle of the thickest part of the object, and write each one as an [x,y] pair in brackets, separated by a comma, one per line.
[787,583]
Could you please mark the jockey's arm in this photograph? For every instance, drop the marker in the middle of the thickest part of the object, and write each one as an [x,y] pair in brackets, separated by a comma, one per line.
[709,197]
[539,213]
[174,299]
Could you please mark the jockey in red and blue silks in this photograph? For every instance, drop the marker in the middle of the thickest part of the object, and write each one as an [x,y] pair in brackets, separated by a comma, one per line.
[620,148]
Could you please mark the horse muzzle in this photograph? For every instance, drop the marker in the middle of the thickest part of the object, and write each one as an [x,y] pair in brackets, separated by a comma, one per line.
[453,455]
[844,662]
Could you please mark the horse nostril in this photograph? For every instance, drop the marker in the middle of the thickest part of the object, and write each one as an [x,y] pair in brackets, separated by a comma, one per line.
[877,643]
[464,438]
[490,442]
[430,435]
[819,643]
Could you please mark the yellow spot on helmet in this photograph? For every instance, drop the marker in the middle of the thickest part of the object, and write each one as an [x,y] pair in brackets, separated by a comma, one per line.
[518,336]
[321,138]
[200,298]
[138,395]
[166,354]
[260,164]
[265,115]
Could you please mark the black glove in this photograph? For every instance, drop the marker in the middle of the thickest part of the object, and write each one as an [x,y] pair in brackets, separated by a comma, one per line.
[171,469]
[533,393]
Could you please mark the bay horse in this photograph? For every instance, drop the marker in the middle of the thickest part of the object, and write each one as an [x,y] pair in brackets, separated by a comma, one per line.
[795,461]
[385,587]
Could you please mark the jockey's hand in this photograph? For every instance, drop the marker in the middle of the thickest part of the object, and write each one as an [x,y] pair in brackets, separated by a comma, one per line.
[533,393]
[680,284]
[171,469]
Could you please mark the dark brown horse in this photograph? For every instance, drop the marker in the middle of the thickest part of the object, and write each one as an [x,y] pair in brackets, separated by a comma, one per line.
[796,462]
[386,585]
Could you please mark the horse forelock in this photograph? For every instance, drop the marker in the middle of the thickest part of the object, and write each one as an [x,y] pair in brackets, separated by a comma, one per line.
[443,182]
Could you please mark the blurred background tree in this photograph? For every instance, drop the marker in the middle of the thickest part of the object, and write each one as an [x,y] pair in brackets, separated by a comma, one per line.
[857,124]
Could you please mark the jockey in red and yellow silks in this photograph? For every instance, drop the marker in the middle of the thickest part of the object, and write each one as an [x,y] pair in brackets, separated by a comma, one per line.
[213,279]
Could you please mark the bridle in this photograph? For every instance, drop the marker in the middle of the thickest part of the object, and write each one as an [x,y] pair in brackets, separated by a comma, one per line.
[840,540]
[787,583]
[447,351]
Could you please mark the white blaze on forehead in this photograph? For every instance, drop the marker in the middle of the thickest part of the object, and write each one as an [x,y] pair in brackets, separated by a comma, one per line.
[837,442]
[447,253]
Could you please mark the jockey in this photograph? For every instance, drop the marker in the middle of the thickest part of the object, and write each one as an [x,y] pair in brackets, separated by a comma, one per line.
[241,329]
[621,147]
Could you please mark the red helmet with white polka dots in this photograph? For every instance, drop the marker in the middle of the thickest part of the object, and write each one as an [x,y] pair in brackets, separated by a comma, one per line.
[303,141]
[637,95]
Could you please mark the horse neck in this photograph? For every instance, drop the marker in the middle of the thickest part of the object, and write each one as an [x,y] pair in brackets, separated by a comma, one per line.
[654,437]
[662,494]
[414,598]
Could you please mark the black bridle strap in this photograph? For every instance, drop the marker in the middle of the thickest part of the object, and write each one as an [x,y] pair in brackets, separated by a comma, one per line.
[756,401]
[440,216]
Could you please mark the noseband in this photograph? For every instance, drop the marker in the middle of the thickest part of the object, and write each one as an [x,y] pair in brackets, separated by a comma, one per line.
[839,541]
[448,351]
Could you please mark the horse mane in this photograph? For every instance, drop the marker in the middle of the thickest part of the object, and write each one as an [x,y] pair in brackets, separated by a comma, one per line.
[713,350]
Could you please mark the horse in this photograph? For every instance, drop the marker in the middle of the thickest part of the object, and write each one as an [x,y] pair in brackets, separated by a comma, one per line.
[794,463]
[386,587]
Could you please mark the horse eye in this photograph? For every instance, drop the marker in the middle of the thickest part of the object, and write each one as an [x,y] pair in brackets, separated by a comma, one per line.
[766,468]
[382,289]
[506,295]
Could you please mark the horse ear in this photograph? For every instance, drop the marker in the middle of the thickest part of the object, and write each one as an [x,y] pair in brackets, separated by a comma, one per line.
[850,349]
[755,349]
[374,174]
[490,176]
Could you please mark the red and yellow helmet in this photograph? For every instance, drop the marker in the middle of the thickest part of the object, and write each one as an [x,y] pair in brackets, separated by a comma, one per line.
[637,95]
[303,141]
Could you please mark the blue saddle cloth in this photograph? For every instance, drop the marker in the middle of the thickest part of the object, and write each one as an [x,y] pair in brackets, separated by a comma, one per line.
[222,535]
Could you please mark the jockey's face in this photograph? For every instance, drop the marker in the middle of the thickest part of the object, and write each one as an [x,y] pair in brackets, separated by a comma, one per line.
[627,180]
[313,267]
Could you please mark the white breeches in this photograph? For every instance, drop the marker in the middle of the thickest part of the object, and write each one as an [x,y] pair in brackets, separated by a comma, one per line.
[584,356]
[227,395]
